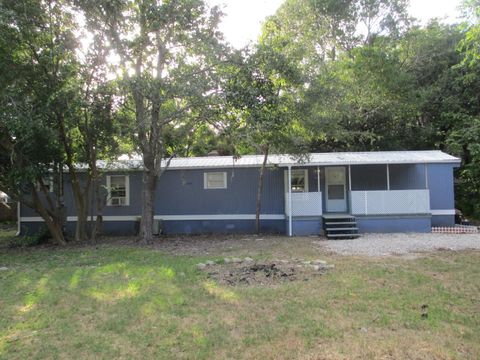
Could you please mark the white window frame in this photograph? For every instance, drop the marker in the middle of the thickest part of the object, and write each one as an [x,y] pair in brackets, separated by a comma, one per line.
[205,180]
[127,191]
[305,172]
[47,182]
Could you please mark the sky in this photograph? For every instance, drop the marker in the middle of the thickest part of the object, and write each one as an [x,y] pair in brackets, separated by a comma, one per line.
[243,18]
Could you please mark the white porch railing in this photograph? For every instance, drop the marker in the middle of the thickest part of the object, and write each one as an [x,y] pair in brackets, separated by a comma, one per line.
[390,202]
[304,204]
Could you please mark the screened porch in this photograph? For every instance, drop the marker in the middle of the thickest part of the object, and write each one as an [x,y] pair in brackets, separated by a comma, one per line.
[379,189]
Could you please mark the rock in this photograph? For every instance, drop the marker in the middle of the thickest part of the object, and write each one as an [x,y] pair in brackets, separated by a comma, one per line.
[227,260]
[306,262]
[201,266]
[320,262]
[316,267]
[236,260]
[3,268]
[209,262]
[248,259]
[364,329]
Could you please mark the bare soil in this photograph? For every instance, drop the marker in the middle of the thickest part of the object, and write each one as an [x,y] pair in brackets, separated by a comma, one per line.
[265,273]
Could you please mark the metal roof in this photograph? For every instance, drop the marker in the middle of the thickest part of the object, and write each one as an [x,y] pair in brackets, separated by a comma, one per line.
[312,159]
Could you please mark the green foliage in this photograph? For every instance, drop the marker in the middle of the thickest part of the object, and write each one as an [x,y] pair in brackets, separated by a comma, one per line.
[372,82]
[261,95]
[40,237]
[36,47]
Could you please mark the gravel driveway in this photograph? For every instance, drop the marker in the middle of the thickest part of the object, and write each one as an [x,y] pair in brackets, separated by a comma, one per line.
[397,244]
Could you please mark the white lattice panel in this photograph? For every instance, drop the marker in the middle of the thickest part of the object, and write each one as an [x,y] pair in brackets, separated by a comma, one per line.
[305,204]
[390,202]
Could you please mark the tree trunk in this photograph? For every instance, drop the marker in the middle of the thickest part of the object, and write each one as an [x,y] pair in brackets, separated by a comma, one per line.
[81,208]
[148,198]
[53,224]
[259,191]
[97,229]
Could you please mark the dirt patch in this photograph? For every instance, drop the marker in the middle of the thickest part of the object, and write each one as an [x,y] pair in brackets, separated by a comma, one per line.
[265,273]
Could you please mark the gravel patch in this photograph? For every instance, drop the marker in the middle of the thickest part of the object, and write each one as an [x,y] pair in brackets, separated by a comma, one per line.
[401,243]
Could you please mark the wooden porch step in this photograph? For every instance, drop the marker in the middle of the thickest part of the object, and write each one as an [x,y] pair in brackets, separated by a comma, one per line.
[333,236]
[342,229]
[340,222]
[338,216]
[340,226]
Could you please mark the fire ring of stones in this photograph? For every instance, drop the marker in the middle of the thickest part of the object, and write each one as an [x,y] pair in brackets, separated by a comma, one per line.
[236,271]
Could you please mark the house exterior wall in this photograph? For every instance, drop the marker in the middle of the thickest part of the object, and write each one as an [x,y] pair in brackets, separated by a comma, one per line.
[390,224]
[182,193]
[442,197]
[184,206]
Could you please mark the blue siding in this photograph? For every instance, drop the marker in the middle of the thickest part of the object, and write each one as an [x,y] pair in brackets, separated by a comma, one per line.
[182,193]
[306,226]
[440,183]
[394,224]
[443,220]
[222,226]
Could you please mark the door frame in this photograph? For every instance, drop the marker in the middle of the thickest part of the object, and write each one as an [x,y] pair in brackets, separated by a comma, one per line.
[343,204]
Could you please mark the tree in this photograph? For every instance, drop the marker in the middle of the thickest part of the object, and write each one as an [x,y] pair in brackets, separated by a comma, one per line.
[167,51]
[312,32]
[37,46]
[461,110]
[261,94]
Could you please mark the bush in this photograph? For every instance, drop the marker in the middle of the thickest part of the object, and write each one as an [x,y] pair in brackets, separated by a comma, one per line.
[42,236]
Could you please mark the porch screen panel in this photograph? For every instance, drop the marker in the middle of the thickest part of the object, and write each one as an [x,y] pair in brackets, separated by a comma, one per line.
[369,177]
[390,202]
[407,177]
[305,204]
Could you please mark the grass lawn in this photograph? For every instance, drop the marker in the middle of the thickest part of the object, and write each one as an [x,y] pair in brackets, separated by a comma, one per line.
[117,301]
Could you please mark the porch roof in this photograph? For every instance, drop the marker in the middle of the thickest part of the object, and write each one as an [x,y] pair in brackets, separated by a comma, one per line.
[312,159]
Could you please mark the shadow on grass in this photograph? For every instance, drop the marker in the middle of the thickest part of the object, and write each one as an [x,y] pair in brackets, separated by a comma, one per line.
[110,302]
[119,302]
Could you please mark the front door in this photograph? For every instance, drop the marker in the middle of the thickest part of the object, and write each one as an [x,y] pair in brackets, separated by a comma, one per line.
[335,181]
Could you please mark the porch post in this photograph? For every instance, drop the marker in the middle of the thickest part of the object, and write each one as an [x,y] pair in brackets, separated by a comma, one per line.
[289,200]
[388,177]
[318,179]
[349,179]
[425,167]
[349,188]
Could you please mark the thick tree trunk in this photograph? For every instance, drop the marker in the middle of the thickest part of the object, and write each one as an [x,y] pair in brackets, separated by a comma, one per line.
[259,191]
[148,206]
[54,225]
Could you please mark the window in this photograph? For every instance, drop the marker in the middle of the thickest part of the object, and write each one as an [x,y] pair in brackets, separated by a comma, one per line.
[215,180]
[299,180]
[47,182]
[118,190]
